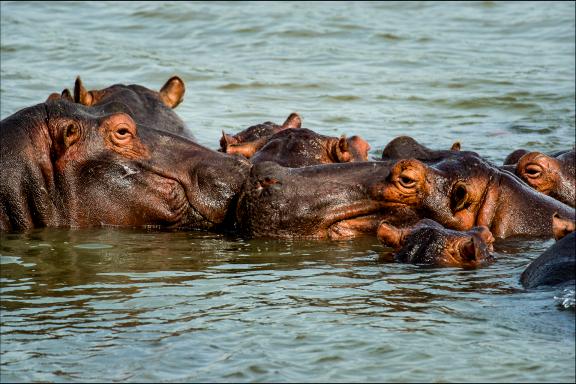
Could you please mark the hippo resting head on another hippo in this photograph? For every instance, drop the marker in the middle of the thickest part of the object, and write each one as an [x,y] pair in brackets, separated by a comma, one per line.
[302,147]
[552,176]
[557,265]
[66,165]
[467,191]
[324,201]
[228,143]
[145,106]
[429,243]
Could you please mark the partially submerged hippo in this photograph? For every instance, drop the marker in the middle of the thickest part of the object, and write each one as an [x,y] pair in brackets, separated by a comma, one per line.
[147,107]
[229,143]
[302,147]
[406,147]
[324,201]
[429,243]
[553,176]
[557,265]
[467,191]
[66,165]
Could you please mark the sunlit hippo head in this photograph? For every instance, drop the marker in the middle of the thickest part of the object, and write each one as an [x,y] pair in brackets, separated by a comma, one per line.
[467,191]
[232,143]
[146,106]
[553,176]
[66,165]
[429,243]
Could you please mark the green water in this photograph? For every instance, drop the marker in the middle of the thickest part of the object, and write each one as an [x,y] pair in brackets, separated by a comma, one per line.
[126,305]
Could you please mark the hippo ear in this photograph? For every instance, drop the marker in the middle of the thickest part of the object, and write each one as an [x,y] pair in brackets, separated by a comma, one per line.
[391,236]
[172,93]
[66,95]
[562,227]
[293,121]
[247,149]
[225,141]
[342,150]
[456,146]
[81,95]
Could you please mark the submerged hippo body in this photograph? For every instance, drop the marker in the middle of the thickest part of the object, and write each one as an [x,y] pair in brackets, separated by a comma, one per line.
[467,191]
[324,201]
[405,147]
[302,147]
[551,175]
[429,243]
[147,107]
[557,265]
[66,165]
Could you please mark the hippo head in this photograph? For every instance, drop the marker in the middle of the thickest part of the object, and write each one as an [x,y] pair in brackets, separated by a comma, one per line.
[405,147]
[468,191]
[303,147]
[67,165]
[254,134]
[146,106]
[553,176]
[333,201]
[430,243]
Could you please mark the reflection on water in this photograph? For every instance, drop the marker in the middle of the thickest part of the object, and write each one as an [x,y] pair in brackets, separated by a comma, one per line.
[124,305]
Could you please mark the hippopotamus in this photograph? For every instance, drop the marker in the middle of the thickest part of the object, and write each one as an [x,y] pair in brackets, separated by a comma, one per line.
[63,164]
[406,147]
[303,147]
[557,265]
[468,191]
[147,107]
[553,176]
[334,201]
[230,143]
[429,243]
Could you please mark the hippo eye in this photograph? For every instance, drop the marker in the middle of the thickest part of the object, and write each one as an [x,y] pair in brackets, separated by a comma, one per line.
[533,171]
[406,181]
[459,198]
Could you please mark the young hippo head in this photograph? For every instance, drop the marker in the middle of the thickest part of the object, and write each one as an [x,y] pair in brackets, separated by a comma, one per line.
[66,165]
[429,243]
[405,147]
[467,191]
[147,107]
[325,201]
[257,135]
[302,147]
[553,176]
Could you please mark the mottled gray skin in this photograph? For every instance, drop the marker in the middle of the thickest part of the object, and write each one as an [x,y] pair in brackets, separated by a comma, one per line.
[324,201]
[557,265]
[66,165]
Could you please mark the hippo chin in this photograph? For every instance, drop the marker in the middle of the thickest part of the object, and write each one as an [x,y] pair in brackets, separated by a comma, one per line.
[67,165]
[333,201]
[467,191]
[429,243]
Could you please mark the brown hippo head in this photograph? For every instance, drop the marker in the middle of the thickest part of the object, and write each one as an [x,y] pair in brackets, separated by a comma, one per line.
[430,243]
[66,165]
[553,176]
[324,201]
[467,191]
[147,107]
[302,147]
[257,135]
[405,147]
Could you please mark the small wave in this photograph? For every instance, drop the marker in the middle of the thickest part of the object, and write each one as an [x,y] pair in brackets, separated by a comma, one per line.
[567,299]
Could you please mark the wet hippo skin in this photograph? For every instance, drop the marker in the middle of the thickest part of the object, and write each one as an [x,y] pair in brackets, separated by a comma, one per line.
[67,165]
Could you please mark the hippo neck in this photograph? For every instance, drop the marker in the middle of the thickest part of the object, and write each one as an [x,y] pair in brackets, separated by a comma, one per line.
[511,208]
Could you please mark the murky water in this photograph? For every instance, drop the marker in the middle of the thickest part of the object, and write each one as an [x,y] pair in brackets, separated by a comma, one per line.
[132,305]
